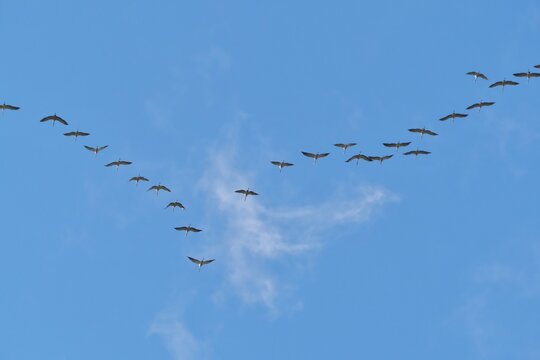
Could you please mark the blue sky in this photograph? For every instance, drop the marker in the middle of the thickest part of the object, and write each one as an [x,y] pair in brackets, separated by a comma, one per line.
[433,257]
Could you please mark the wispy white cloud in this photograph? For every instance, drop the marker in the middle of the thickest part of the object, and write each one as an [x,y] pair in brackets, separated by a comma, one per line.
[257,239]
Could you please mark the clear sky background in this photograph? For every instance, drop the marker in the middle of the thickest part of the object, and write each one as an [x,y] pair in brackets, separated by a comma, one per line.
[437,257]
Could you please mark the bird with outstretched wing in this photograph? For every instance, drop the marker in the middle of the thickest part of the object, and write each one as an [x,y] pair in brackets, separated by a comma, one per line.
[344,146]
[246,193]
[54,118]
[423,131]
[158,188]
[380,159]
[359,156]
[480,105]
[281,164]
[76,134]
[477,75]
[200,263]
[175,204]
[397,145]
[453,116]
[187,229]
[5,106]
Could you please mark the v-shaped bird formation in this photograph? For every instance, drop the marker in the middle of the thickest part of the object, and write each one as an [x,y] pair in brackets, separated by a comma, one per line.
[247,192]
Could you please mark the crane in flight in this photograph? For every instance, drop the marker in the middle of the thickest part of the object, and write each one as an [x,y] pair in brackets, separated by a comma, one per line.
[423,131]
[118,163]
[96,149]
[316,156]
[5,106]
[175,204]
[453,115]
[345,146]
[504,83]
[380,159]
[76,134]
[54,118]
[246,193]
[417,152]
[480,105]
[359,156]
[281,164]
[200,263]
[397,145]
[138,178]
[477,75]
[187,229]
[528,75]
[158,188]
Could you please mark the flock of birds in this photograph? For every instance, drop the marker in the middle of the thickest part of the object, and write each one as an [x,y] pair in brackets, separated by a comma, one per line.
[282,164]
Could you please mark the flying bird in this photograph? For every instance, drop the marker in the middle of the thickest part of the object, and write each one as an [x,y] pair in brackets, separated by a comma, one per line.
[345,146]
[480,105]
[537,66]
[528,75]
[54,118]
[76,134]
[175,204]
[423,131]
[96,149]
[380,158]
[246,193]
[138,178]
[118,163]
[397,145]
[477,75]
[187,229]
[200,263]
[5,106]
[281,164]
[417,152]
[453,116]
[316,156]
[504,83]
[357,157]
[158,187]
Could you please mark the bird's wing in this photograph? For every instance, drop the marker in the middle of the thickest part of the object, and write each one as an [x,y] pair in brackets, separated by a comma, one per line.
[473,73]
[47,118]
[473,106]
[390,144]
[486,103]
[352,158]
[10,107]
[461,115]
[102,147]
[90,148]
[498,83]
[240,191]
[444,118]
[323,155]
[198,262]
[376,158]
[142,178]
[520,74]
[207,261]
[510,82]
[340,145]
[112,164]
[423,152]
[288,164]
[124,162]
[351,144]
[534,75]
[165,188]
[387,157]
[416,130]
[537,66]
[252,193]
[181,228]
[482,76]
[83,133]
[277,163]
[195,229]
[135,178]
[364,157]
[71,133]
[308,154]
[410,152]
[429,132]
[169,205]
[405,143]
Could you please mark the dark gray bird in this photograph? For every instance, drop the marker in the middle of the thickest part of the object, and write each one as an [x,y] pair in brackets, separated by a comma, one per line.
[380,159]
[528,75]
[187,229]
[477,75]
[480,105]
[158,187]
[200,263]
[281,164]
[359,156]
[423,131]
[96,149]
[54,118]
[316,156]
[5,106]
[345,146]
[537,66]
[246,193]
[118,163]
[417,152]
[397,145]
[453,116]
[76,134]
[504,83]
[175,204]
[138,178]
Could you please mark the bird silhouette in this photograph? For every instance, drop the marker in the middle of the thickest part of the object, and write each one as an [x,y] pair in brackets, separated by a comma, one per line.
[96,149]
[417,152]
[316,156]
[188,229]
[246,193]
[158,188]
[5,106]
[380,159]
[54,118]
[118,163]
[480,105]
[76,134]
[528,75]
[137,179]
[504,83]
[397,145]
[175,204]
[423,131]
[359,156]
[345,146]
[281,164]
[453,116]
[477,75]
[200,263]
